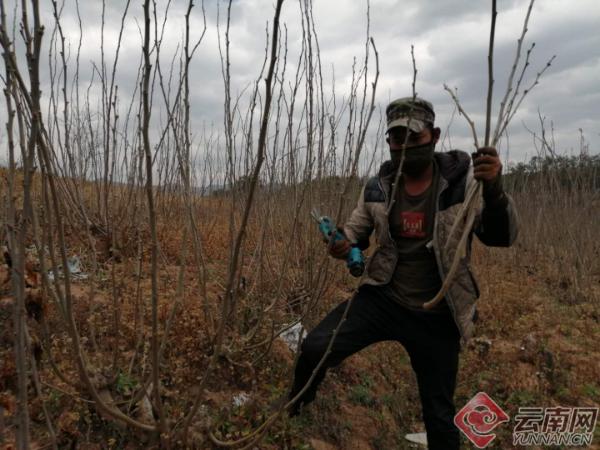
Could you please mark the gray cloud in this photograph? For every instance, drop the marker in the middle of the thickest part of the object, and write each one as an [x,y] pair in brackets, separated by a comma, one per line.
[450,39]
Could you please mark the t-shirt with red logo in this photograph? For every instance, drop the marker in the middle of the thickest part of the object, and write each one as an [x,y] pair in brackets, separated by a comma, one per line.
[416,279]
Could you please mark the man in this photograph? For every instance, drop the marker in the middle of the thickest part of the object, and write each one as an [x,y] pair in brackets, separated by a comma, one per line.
[410,263]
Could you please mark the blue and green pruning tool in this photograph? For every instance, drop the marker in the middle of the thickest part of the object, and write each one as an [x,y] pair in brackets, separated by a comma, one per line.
[355,260]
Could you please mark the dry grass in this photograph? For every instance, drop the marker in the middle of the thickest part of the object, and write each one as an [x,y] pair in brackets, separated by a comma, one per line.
[371,401]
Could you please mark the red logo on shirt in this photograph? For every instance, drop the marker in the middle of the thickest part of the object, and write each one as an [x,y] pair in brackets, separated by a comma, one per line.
[413,224]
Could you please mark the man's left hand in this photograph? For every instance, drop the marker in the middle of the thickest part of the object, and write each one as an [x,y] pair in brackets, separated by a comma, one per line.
[488,169]
[486,165]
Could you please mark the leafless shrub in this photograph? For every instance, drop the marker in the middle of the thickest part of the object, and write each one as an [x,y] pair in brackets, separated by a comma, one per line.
[107,180]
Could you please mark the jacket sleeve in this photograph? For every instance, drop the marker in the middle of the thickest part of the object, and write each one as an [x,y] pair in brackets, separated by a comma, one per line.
[359,225]
[498,223]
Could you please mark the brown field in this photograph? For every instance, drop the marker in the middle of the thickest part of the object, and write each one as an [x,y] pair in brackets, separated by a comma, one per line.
[536,342]
[136,313]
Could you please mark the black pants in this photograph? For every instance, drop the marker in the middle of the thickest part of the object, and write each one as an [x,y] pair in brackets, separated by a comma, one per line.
[431,340]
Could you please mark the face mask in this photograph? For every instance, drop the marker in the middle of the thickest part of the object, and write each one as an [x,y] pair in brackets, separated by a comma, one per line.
[417,159]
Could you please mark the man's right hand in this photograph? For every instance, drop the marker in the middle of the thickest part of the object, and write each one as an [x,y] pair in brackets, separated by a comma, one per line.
[340,249]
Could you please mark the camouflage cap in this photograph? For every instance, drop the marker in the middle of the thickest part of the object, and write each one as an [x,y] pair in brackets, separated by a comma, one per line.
[419,111]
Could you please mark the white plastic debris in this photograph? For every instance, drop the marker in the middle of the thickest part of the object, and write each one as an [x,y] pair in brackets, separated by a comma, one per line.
[292,335]
[74,266]
[144,411]
[240,399]
[417,438]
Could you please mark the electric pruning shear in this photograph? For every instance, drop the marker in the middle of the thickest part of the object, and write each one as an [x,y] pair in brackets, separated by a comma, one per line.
[355,260]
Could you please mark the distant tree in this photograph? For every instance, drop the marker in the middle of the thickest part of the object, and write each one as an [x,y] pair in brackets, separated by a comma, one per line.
[574,173]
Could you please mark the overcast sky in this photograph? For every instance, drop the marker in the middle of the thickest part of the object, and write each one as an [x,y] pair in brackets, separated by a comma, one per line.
[450,39]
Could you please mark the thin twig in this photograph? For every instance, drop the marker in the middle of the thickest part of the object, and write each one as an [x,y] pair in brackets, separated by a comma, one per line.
[464,114]
[509,87]
[488,111]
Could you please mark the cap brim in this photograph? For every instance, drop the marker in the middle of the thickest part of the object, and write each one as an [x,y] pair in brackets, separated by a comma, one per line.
[413,124]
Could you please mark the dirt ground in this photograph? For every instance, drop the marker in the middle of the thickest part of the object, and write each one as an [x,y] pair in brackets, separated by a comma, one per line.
[535,345]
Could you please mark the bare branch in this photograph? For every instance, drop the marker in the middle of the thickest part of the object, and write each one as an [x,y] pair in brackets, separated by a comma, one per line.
[464,114]
[509,87]
[488,114]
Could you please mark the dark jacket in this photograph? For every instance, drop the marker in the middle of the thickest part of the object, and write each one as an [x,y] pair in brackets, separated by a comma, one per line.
[495,225]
